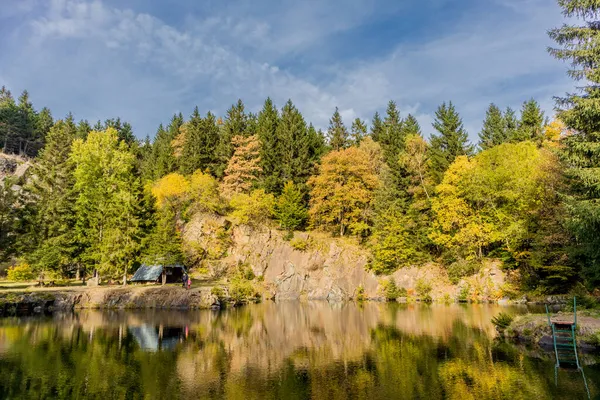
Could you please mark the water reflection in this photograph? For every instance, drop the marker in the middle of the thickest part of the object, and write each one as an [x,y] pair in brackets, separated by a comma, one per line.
[278,351]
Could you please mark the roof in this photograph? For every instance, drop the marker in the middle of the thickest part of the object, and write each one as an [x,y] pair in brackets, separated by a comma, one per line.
[147,273]
[151,272]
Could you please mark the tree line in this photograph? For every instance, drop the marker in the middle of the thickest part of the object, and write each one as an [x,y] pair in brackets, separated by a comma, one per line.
[97,198]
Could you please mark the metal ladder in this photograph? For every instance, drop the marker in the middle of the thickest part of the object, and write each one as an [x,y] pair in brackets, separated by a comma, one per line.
[565,344]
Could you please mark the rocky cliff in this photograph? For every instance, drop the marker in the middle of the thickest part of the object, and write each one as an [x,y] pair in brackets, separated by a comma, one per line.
[316,266]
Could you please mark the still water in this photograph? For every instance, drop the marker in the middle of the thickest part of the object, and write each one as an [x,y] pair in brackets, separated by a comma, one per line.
[279,351]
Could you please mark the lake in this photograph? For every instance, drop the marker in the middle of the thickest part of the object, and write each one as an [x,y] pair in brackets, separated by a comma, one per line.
[292,350]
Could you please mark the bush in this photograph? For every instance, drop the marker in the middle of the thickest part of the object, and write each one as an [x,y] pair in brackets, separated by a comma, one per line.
[463,295]
[360,293]
[218,291]
[461,268]
[584,299]
[390,290]
[20,273]
[299,244]
[242,291]
[253,209]
[424,290]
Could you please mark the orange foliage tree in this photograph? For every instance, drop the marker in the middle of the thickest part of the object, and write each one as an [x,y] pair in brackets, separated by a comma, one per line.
[244,167]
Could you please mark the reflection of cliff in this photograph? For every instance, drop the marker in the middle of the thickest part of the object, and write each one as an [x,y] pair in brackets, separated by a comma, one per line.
[285,350]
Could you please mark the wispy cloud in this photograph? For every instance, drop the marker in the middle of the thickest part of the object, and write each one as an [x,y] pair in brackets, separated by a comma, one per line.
[99,60]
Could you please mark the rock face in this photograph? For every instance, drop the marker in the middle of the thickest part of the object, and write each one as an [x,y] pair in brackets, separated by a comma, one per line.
[315,266]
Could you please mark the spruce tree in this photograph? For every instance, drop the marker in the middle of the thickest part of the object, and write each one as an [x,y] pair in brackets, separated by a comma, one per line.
[493,131]
[337,132]
[451,141]
[52,198]
[410,126]
[270,162]
[531,125]
[290,208]
[200,140]
[580,46]
[376,127]
[358,131]
[511,124]
[236,124]
[163,157]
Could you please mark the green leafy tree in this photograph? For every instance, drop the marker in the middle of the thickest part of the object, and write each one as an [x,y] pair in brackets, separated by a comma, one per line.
[493,131]
[107,202]
[290,208]
[581,114]
[450,142]
[337,132]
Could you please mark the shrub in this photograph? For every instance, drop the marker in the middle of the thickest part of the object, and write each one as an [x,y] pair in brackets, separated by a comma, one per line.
[584,299]
[242,291]
[461,268]
[424,290]
[299,244]
[390,290]
[463,295]
[20,273]
[360,293]
[218,291]
[502,321]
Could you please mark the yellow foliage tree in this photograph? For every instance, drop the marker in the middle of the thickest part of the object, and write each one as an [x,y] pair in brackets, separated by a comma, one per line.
[342,193]
[204,193]
[170,190]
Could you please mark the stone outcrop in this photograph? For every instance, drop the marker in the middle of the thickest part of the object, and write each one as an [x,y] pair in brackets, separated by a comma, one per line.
[315,266]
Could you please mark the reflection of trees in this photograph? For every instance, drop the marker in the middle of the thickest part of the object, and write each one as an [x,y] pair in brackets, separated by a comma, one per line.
[276,351]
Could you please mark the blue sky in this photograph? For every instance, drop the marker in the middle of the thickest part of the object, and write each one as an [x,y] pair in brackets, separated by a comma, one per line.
[144,60]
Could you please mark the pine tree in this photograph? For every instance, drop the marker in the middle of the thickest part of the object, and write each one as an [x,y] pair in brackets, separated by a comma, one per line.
[290,208]
[83,129]
[243,168]
[493,131]
[580,113]
[266,129]
[531,125]
[358,131]
[337,132]
[451,141]
[51,195]
[236,124]
[376,127]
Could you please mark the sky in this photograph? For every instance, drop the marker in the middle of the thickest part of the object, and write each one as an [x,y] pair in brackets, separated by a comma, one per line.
[145,60]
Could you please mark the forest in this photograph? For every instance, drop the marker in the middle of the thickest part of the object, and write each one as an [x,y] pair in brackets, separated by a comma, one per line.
[98,199]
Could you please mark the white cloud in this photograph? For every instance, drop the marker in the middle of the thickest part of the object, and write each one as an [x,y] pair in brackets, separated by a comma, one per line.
[100,61]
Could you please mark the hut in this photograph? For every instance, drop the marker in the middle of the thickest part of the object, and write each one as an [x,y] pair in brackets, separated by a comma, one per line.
[159,273]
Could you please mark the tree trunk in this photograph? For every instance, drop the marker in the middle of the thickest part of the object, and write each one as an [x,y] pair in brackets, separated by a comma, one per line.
[164,277]
[125,278]
[78,273]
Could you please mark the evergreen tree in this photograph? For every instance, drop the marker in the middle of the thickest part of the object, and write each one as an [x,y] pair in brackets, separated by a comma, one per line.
[123,129]
[163,157]
[268,120]
[200,139]
[511,124]
[411,126]
[451,141]
[83,128]
[580,113]
[43,123]
[358,131]
[290,208]
[300,147]
[493,131]
[531,125]
[50,191]
[236,124]
[376,127]
[337,132]
[9,218]
[164,244]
